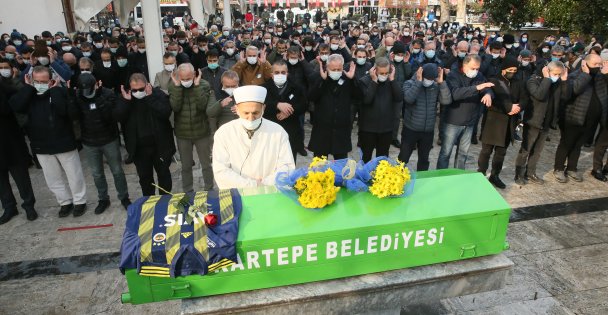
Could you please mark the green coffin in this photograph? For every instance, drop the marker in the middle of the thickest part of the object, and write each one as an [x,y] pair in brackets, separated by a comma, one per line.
[451,215]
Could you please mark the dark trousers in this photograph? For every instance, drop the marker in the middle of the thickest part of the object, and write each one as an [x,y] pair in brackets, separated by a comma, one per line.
[532,144]
[369,141]
[600,149]
[21,177]
[483,161]
[411,139]
[569,148]
[147,161]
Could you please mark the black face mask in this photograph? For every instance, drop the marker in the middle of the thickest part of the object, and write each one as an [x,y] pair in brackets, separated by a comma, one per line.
[509,75]
[594,71]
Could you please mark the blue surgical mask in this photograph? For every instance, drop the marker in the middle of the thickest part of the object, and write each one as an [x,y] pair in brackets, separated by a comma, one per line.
[555,58]
[429,54]
[554,79]
[213,66]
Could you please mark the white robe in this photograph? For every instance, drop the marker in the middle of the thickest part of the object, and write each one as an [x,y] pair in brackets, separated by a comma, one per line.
[238,161]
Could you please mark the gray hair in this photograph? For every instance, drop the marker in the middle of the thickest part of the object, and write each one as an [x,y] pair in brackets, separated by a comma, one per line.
[252,48]
[86,60]
[335,57]
[185,67]
[229,74]
[470,58]
[556,64]
[382,62]
[558,49]
[364,37]
[463,43]
[138,77]
[42,69]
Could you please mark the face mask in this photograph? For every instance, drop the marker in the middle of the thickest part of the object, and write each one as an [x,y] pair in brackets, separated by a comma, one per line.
[296,41]
[113,50]
[88,94]
[141,50]
[525,63]
[483,34]
[516,45]
[594,71]
[9,56]
[99,45]
[509,75]
[551,43]
[182,41]
[230,51]
[361,61]
[324,57]
[416,50]
[213,65]
[139,94]
[26,61]
[495,56]
[388,48]
[5,72]
[165,44]
[86,53]
[554,79]
[279,79]
[17,42]
[508,46]
[279,33]
[174,53]
[427,82]
[545,50]
[335,75]
[461,55]
[293,61]
[308,48]
[268,41]
[66,48]
[382,78]
[270,30]
[43,60]
[187,84]
[406,33]
[334,46]
[470,36]
[375,33]
[252,60]
[122,62]
[169,68]
[299,31]
[523,40]
[229,91]
[48,43]
[41,88]
[214,33]
[84,71]
[555,58]
[471,74]
[107,64]
[251,125]
[429,54]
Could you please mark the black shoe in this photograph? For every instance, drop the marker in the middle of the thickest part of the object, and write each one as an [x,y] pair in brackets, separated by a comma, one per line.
[128,160]
[31,214]
[65,210]
[599,176]
[80,209]
[605,171]
[101,207]
[535,179]
[126,202]
[495,180]
[303,152]
[8,215]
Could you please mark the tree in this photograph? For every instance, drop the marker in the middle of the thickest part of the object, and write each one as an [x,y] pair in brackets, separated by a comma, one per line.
[445,10]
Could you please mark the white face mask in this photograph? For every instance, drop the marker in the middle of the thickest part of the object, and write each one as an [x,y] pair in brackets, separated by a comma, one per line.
[43,60]
[141,50]
[5,72]
[324,57]
[187,84]
[139,94]
[279,79]
[545,50]
[66,48]
[169,68]
[229,91]
[525,63]
[293,61]
[17,42]
[335,75]
[113,50]
[251,125]
[226,33]
[334,46]
[427,82]
[388,48]
[471,73]
[230,51]
[406,33]
[398,58]
[41,88]
[382,78]
[268,41]
[508,46]
[361,61]
[308,48]
[107,64]
[99,45]
[516,45]
[86,53]
[495,56]
[252,60]
[416,50]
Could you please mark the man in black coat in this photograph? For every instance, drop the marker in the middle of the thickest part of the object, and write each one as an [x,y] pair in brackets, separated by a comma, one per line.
[333,91]
[547,94]
[14,157]
[95,105]
[589,104]
[285,102]
[49,128]
[498,126]
[145,113]
[382,97]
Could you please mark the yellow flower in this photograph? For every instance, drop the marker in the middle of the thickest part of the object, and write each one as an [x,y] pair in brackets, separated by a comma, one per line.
[389,180]
[316,189]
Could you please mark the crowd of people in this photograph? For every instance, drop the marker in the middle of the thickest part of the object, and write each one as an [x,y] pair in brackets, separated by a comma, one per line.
[398,84]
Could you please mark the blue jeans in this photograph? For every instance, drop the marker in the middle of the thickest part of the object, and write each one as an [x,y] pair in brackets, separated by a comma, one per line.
[94,156]
[455,135]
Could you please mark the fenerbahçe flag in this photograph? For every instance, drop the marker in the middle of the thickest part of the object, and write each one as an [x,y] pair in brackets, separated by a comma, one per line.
[159,241]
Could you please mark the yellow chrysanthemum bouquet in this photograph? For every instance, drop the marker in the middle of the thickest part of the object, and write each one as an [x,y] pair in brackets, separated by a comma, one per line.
[313,187]
[383,177]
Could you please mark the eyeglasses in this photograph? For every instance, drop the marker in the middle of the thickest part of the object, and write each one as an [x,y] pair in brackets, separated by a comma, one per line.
[138,90]
[86,69]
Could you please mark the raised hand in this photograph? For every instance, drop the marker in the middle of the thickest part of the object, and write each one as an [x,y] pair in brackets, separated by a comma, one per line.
[242,55]
[373,74]
[126,95]
[28,79]
[439,75]
[419,74]
[148,89]
[564,76]
[225,102]
[484,86]
[391,75]
[584,67]
[197,80]
[262,57]
[351,70]
[174,78]
[406,57]
[605,67]
[322,71]
[545,72]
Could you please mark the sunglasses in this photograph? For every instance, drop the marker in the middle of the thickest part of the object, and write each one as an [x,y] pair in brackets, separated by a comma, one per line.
[138,90]
[87,69]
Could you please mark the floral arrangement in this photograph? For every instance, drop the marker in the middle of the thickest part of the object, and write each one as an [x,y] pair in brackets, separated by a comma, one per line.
[313,187]
[382,177]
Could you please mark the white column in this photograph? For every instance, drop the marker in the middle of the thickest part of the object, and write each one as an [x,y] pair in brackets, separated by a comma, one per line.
[196,9]
[227,14]
[150,10]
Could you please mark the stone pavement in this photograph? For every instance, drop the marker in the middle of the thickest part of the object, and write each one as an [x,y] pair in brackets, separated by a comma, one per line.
[561,256]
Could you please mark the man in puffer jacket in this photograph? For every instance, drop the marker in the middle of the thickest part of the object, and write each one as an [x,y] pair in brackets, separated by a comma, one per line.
[190,96]
[421,95]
